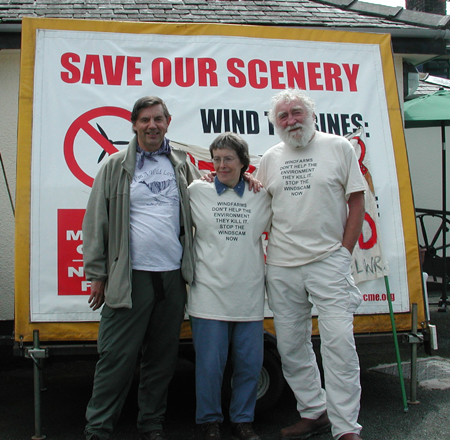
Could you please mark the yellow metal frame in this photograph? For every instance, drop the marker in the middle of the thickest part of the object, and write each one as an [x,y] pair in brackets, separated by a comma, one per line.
[87,331]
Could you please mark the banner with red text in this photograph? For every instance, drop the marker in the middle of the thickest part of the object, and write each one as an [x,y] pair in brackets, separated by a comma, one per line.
[213,79]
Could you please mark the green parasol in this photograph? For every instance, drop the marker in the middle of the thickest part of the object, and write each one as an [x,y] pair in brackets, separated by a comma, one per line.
[431,110]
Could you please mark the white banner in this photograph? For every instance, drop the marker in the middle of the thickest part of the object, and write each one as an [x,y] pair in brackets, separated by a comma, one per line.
[368,260]
[84,89]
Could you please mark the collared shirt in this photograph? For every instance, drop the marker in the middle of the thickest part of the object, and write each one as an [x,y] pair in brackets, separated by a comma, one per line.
[238,189]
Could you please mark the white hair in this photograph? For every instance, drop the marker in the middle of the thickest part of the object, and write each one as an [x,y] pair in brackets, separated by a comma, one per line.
[287,96]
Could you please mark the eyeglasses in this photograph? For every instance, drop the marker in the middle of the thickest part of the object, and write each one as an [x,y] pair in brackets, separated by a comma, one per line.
[226,160]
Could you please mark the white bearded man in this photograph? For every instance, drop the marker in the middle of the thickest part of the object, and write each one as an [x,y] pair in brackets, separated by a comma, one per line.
[318,209]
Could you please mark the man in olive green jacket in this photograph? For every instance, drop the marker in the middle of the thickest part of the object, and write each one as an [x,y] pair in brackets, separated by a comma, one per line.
[137,247]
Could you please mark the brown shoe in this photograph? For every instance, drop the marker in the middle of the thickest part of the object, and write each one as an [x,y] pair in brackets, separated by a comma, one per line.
[306,428]
[243,431]
[350,436]
[211,431]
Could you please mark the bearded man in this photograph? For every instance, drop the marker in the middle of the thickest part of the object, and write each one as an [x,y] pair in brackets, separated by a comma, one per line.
[318,209]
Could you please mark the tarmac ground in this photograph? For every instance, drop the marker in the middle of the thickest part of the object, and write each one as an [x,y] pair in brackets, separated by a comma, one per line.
[68,384]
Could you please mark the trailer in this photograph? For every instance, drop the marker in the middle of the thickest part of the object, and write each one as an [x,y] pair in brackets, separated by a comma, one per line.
[78,82]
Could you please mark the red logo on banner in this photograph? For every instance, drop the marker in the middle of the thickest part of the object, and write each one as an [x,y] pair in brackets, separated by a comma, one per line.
[83,123]
[71,279]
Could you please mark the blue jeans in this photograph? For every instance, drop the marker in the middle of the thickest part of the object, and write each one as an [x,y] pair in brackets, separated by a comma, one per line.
[212,340]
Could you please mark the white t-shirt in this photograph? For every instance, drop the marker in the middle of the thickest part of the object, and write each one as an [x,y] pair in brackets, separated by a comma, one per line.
[310,187]
[229,260]
[155,217]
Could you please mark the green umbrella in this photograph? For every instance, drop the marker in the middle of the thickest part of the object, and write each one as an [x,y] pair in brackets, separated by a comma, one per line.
[433,110]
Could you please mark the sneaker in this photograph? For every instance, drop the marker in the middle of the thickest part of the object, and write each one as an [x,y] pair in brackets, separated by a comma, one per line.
[211,431]
[243,431]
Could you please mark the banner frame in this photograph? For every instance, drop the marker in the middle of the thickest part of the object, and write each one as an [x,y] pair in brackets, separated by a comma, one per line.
[87,331]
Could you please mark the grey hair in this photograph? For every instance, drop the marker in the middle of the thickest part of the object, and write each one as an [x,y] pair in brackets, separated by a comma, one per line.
[287,96]
[234,142]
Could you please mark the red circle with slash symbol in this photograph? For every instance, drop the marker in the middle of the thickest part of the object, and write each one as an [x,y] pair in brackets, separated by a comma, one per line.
[83,123]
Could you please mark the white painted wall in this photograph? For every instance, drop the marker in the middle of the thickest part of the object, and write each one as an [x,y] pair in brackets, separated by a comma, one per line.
[424,148]
[9,97]
[424,153]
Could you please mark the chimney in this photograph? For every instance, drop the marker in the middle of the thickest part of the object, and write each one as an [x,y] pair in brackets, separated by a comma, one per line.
[430,6]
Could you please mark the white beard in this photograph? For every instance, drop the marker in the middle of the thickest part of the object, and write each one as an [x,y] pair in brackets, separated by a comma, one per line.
[299,138]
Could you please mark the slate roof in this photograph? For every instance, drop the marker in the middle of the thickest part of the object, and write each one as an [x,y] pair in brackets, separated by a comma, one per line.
[332,14]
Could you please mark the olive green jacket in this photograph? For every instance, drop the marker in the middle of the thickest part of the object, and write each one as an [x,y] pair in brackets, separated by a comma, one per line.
[106,224]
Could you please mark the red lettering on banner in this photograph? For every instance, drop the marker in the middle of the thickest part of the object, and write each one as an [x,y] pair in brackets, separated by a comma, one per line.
[133,71]
[74,75]
[161,72]
[275,75]
[333,79]
[92,70]
[372,240]
[352,73]
[255,79]
[362,155]
[114,75]
[71,279]
[314,76]
[100,69]
[207,69]
[238,80]
[185,72]
[370,297]
[296,75]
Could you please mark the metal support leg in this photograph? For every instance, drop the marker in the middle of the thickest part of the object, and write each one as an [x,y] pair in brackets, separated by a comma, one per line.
[415,341]
[36,353]
[444,299]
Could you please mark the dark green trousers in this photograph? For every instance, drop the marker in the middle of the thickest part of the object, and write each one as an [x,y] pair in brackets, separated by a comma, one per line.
[152,326]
